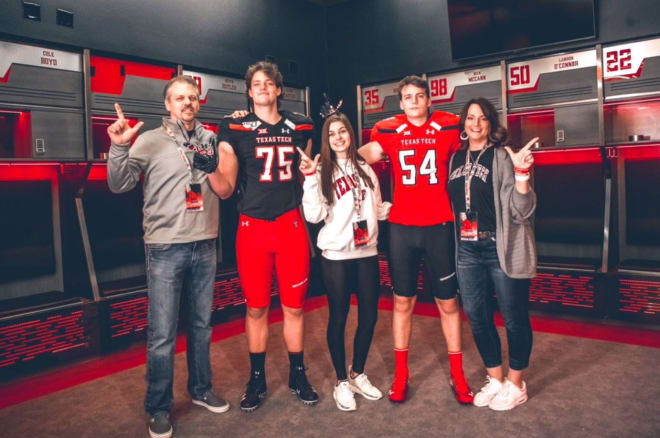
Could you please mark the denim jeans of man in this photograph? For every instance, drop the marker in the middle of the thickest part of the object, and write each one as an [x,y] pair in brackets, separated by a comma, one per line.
[478,270]
[174,270]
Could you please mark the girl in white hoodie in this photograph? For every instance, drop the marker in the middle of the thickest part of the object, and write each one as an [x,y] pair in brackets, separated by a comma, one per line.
[343,191]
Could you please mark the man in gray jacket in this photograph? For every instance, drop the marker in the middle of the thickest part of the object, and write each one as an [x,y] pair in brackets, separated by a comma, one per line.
[181,210]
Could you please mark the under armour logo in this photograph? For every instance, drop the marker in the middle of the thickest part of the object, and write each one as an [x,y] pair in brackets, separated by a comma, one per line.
[286,131]
[262,131]
[295,223]
[406,133]
[245,223]
[430,131]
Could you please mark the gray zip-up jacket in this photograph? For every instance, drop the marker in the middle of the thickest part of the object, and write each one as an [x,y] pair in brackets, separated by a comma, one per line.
[155,154]
[516,244]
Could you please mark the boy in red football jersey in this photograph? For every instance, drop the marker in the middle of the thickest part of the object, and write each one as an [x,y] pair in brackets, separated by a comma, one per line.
[257,156]
[419,145]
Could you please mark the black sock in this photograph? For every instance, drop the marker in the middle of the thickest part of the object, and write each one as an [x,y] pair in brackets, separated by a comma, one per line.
[296,359]
[258,362]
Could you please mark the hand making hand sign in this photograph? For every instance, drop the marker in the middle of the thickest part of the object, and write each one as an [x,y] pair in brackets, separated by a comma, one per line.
[120,132]
[523,159]
[307,165]
[522,165]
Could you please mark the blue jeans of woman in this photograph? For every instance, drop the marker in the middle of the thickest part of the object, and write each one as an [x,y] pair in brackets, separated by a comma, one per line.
[172,270]
[478,270]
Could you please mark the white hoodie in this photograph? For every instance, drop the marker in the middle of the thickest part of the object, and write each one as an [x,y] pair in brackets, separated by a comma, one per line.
[336,236]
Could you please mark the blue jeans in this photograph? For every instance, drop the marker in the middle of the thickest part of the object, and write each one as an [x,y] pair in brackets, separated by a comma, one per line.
[173,269]
[478,270]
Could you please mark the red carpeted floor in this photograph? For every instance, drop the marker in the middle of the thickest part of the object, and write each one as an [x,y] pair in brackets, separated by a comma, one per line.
[27,388]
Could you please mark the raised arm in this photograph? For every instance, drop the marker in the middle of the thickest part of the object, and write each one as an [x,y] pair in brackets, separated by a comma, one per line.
[223,180]
[383,208]
[123,169]
[313,202]
[522,165]
[523,199]
[308,148]
[372,152]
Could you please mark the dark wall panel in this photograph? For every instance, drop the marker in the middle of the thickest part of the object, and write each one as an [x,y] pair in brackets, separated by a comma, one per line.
[378,40]
[222,35]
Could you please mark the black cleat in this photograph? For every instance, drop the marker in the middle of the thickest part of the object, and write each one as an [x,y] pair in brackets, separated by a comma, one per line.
[254,393]
[300,386]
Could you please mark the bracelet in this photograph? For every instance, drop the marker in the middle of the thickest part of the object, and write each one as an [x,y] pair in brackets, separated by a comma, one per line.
[309,174]
[521,178]
[520,170]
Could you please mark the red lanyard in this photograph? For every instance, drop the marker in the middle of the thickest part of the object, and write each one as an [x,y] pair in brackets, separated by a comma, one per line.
[356,191]
[182,154]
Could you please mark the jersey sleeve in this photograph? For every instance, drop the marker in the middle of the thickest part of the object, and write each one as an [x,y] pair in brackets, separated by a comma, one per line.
[455,143]
[232,130]
[383,136]
[224,133]
[307,130]
[382,208]
[303,126]
[314,204]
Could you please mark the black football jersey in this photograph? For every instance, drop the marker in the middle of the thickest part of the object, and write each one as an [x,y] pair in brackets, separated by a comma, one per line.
[267,183]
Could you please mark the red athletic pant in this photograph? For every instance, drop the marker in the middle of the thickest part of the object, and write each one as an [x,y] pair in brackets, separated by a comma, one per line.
[260,244]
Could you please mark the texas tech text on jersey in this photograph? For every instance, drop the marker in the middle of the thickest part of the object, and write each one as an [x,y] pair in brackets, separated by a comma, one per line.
[419,156]
[267,183]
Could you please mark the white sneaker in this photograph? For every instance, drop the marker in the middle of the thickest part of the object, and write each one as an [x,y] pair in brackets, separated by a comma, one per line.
[344,396]
[488,392]
[509,397]
[363,386]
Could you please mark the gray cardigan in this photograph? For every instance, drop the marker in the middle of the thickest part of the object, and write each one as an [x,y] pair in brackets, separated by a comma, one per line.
[516,245]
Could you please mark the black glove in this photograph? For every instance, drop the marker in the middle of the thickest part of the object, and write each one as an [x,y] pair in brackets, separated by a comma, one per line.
[206,162]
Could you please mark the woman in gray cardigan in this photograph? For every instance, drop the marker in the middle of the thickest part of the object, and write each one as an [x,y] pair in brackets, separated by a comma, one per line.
[493,203]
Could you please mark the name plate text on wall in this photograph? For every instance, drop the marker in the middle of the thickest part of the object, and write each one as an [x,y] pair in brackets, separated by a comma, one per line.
[632,69]
[379,102]
[561,78]
[450,91]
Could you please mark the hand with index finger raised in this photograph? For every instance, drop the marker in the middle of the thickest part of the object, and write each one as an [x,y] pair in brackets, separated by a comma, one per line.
[307,165]
[523,159]
[120,131]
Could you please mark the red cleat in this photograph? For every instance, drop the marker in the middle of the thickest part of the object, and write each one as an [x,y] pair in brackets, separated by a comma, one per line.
[399,389]
[461,390]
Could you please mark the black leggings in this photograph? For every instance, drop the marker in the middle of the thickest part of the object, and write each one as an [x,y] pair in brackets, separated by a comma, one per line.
[341,277]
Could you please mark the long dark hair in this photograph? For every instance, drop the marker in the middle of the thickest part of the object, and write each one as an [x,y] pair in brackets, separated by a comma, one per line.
[329,158]
[497,134]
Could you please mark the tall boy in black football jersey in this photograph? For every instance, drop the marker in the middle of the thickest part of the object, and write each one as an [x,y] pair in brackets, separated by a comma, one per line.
[258,152]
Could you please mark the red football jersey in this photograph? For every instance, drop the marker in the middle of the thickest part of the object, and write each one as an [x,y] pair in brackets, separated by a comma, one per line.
[420,158]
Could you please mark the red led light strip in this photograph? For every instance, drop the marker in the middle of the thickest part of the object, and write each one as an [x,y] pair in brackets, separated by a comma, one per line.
[26,389]
[567,156]
[383,267]
[29,171]
[385,280]
[129,316]
[227,293]
[53,334]
[567,290]
[639,296]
